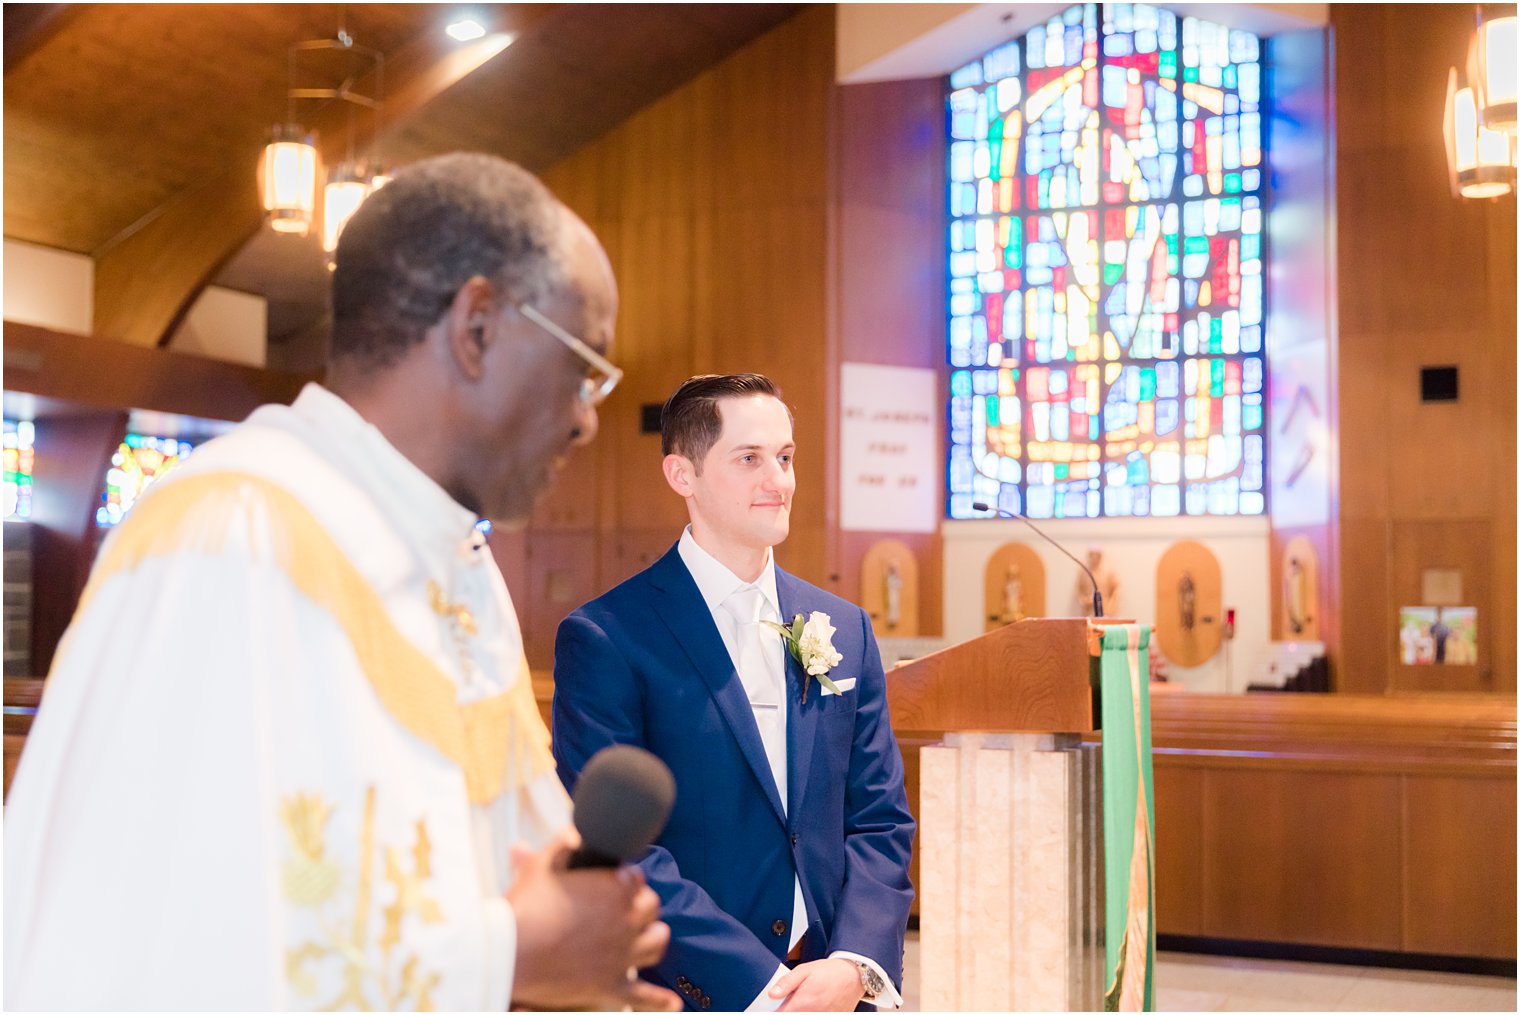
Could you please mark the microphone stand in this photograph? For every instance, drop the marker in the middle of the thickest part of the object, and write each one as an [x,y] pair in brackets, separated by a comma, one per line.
[1097,596]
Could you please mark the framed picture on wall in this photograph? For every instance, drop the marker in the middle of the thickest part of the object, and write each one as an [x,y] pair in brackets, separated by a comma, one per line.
[1438,635]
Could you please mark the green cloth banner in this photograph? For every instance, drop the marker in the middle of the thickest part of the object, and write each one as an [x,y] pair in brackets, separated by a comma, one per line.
[1129,828]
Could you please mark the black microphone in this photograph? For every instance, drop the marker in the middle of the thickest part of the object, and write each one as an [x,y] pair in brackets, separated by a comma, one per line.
[1097,596]
[622,802]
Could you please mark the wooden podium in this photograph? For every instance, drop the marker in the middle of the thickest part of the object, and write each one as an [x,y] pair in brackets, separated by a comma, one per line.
[1010,838]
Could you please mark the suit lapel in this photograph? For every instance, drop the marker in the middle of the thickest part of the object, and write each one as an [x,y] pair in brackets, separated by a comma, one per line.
[801,720]
[684,611]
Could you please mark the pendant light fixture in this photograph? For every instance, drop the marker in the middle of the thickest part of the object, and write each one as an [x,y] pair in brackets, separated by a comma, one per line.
[1479,119]
[290,168]
[288,179]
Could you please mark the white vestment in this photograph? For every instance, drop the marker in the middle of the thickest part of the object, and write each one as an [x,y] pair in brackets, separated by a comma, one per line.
[285,746]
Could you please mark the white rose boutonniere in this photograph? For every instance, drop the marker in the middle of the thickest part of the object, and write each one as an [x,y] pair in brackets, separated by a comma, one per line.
[811,643]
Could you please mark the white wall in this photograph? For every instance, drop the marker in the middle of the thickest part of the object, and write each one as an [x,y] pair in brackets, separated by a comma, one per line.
[1132,547]
[47,287]
[56,289]
[227,325]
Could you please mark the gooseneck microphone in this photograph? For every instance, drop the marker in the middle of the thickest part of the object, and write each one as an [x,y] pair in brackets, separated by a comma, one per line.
[1097,596]
[622,801]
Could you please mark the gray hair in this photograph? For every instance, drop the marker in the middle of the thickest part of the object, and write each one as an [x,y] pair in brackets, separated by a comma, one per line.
[403,256]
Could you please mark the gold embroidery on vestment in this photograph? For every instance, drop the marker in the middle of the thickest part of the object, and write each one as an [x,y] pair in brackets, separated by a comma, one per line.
[458,613]
[368,983]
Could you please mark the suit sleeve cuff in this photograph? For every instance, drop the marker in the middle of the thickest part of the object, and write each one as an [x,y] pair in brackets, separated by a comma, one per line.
[889,998]
[765,1002]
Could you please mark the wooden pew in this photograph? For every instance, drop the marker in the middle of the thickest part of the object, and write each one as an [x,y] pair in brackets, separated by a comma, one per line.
[22,695]
[1337,821]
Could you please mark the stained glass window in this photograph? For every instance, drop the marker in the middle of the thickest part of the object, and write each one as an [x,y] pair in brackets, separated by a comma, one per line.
[1106,177]
[19,457]
[138,461]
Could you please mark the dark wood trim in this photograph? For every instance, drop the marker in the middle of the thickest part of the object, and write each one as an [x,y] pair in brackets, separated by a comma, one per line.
[103,374]
[1337,956]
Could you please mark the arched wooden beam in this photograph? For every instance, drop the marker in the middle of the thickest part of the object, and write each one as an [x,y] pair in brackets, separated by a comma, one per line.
[147,279]
[28,26]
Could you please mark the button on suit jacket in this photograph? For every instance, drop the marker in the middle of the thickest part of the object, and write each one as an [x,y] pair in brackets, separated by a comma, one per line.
[645,665]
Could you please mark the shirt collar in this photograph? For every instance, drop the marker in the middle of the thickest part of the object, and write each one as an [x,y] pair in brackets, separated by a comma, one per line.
[716,582]
[409,494]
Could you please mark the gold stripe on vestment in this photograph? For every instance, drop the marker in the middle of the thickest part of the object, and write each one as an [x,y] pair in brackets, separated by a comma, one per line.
[499,743]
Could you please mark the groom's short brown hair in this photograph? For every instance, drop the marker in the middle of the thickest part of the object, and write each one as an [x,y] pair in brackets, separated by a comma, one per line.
[690,422]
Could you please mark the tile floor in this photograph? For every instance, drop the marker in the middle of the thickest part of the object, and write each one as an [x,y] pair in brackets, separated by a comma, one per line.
[1187,982]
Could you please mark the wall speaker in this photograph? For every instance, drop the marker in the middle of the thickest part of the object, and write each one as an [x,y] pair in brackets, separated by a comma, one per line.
[1438,384]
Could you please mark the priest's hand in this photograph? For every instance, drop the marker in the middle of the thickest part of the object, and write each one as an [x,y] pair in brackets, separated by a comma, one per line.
[822,985]
[581,933]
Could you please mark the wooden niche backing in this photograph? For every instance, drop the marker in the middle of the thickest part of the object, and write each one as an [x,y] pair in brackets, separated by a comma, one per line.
[1189,603]
[1014,587]
[889,570]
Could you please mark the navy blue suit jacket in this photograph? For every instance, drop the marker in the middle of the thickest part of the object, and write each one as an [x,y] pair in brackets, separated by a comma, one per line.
[645,665]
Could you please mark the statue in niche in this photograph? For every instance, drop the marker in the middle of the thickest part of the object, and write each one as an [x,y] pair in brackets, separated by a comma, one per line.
[1013,596]
[892,584]
[1108,585]
[1187,601]
[1298,597]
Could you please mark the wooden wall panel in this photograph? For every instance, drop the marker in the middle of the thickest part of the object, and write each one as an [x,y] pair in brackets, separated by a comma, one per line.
[1459,865]
[1425,279]
[558,581]
[634,549]
[1367,631]
[712,204]
[1179,850]
[1277,851]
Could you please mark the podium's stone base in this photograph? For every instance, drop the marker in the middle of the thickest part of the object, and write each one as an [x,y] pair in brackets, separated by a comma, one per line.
[1011,873]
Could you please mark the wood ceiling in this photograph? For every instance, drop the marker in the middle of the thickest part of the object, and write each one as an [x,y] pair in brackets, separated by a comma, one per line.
[132,130]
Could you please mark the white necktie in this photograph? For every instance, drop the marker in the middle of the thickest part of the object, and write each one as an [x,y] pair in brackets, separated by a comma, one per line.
[757,672]
[763,675]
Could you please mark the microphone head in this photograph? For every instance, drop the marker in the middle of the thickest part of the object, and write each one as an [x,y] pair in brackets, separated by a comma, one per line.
[977,505]
[622,801]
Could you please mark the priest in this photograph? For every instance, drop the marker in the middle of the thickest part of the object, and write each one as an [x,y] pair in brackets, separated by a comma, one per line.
[289,755]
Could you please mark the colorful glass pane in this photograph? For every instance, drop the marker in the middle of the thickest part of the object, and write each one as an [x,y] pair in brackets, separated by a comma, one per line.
[138,461]
[1106,274]
[19,460]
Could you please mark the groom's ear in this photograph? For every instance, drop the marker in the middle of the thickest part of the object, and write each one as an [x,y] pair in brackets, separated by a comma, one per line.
[679,473]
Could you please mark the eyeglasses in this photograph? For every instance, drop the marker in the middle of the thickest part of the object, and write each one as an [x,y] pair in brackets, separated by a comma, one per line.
[595,386]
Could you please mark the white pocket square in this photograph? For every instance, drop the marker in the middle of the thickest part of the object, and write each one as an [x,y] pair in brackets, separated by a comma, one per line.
[844,685]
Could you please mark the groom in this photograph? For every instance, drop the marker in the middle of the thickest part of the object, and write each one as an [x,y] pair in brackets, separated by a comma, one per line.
[783,872]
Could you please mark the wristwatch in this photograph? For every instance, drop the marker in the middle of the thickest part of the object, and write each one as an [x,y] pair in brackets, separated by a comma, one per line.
[870,981]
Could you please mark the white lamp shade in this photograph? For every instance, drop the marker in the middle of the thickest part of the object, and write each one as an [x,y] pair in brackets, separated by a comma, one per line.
[288,178]
[340,199]
[1493,69]
[1477,159]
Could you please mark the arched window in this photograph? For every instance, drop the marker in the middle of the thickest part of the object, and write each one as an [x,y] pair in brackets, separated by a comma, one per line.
[1106,185]
[137,462]
[19,458]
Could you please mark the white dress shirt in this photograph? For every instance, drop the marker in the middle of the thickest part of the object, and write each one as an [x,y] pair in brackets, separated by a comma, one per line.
[717,583]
